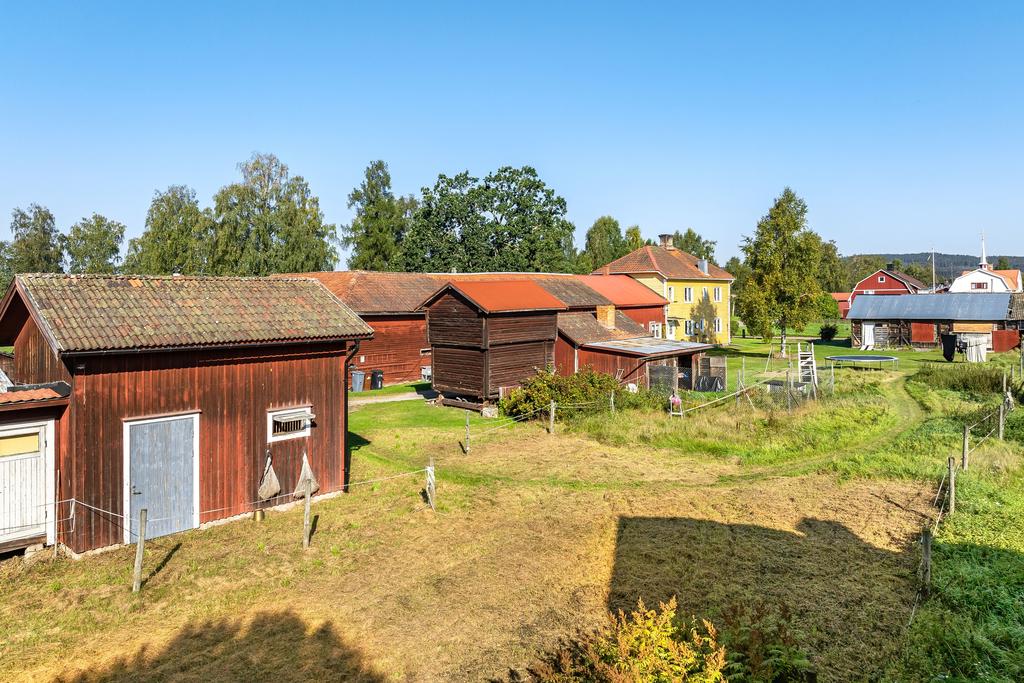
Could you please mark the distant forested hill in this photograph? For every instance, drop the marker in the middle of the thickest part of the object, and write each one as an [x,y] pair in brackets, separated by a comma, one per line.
[947,266]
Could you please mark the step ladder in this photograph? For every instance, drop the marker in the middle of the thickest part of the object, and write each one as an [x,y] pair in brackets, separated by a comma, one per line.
[806,365]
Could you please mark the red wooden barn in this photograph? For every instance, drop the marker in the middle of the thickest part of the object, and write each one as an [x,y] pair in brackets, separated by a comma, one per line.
[886,281]
[389,303]
[165,393]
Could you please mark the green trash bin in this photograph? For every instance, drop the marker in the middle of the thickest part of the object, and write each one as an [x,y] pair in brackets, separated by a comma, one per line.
[358,378]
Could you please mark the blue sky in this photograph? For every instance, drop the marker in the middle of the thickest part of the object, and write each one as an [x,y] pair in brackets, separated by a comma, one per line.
[899,123]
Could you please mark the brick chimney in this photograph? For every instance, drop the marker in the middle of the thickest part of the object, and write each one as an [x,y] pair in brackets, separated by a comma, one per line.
[606,317]
[666,241]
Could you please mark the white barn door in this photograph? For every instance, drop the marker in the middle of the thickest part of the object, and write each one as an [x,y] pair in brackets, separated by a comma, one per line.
[26,482]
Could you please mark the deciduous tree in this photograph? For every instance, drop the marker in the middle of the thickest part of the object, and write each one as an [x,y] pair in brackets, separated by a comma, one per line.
[93,245]
[381,222]
[603,243]
[783,256]
[692,243]
[270,222]
[509,221]
[177,237]
[633,238]
[36,244]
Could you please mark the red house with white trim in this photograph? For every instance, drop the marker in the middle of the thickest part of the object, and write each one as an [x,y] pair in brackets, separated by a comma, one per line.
[887,281]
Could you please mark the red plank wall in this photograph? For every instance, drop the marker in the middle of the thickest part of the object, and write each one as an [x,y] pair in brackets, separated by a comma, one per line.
[646,315]
[233,391]
[397,347]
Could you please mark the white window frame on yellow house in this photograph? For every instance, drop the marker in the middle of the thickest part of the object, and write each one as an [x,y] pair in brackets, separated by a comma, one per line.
[718,295]
[688,328]
[671,296]
[670,330]
[688,295]
[704,294]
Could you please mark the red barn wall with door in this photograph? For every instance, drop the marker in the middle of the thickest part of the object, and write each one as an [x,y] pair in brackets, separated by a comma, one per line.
[232,390]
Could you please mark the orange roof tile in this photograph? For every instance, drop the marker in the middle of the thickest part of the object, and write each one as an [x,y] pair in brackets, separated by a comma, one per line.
[1012,278]
[27,395]
[671,263]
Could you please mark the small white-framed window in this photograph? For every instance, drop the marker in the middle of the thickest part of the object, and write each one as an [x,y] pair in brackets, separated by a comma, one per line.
[289,423]
[881,278]
[979,285]
[688,327]
[688,295]
[718,293]
[704,294]
[718,324]
[672,325]
[671,295]
[655,330]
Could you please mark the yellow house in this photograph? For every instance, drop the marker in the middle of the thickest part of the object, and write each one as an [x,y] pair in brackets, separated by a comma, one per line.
[697,291]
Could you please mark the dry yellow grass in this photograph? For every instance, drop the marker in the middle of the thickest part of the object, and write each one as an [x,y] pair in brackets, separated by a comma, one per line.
[536,537]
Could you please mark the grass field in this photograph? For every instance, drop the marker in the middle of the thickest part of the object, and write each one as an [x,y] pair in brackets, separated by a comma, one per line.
[537,536]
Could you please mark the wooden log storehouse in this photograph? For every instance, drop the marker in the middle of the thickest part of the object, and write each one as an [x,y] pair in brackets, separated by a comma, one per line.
[487,336]
[165,393]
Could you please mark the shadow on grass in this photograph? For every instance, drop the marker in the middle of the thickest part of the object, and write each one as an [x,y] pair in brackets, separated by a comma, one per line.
[352,444]
[162,563]
[275,646]
[850,600]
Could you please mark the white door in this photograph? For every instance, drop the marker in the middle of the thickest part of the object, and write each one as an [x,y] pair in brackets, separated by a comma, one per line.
[162,474]
[26,482]
[867,337]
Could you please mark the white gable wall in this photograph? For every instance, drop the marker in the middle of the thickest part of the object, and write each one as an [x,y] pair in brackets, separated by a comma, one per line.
[979,281]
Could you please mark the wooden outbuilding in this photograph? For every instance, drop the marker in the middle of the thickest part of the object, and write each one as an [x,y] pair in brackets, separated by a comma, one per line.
[177,388]
[610,342]
[487,336]
[389,303]
[921,320]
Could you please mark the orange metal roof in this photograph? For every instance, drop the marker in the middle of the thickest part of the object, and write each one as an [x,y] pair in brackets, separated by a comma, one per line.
[623,290]
[502,296]
[840,296]
[27,395]
[1012,277]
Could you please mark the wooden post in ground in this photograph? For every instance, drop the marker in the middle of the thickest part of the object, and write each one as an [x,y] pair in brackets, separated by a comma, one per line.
[789,392]
[551,418]
[926,560]
[466,447]
[306,527]
[1002,419]
[431,485]
[140,546]
[611,401]
[951,463]
[966,449]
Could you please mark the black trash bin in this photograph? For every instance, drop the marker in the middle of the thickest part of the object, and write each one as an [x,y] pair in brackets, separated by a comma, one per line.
[376,379]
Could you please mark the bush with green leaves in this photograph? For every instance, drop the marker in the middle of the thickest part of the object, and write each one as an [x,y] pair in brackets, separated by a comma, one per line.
[828,332]
[761,646]
[583,392]
[646,645]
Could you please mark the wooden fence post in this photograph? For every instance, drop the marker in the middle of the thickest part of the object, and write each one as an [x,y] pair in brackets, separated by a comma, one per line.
[305,516]
[612,401]
[140,546]
[966,449]
[1002,418]
[926,560]
[466,447]
[551,418]
[789,392]
[431,485]
[952,485]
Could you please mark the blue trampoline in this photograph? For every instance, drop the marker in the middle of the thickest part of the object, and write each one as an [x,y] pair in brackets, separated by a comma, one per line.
[864,361]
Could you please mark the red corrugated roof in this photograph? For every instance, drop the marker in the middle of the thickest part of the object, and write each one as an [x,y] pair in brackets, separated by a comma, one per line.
[503,296]
[27,395]
[622,290]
